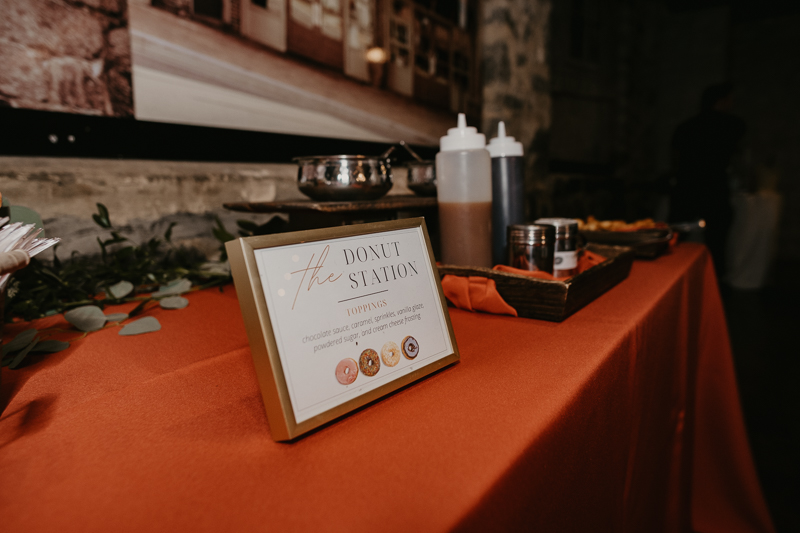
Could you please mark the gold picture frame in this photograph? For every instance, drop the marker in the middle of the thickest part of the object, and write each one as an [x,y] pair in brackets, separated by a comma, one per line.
[284,364]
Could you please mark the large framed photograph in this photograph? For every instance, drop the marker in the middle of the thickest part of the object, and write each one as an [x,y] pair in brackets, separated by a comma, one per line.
[256,80]
[339,317]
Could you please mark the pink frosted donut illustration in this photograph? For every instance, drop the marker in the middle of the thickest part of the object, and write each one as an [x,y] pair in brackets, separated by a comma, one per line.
[346,371]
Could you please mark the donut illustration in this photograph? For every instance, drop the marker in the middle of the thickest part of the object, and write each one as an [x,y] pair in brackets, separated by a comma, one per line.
[346,371]
[410,347]
[369,362]
[390,354]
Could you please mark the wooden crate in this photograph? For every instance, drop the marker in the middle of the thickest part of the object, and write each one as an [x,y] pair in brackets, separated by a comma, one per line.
[555,300]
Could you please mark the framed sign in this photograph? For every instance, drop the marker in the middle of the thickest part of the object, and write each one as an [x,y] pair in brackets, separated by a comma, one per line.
[339,317]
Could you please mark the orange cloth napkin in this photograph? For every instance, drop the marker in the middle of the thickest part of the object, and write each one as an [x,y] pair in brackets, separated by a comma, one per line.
[476,293]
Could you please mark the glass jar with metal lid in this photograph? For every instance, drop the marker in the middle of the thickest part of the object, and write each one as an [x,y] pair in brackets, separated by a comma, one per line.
[565,262]
[531,247]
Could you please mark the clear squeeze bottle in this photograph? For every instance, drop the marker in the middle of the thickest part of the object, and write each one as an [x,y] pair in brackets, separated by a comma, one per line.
[508,190]
[464,190]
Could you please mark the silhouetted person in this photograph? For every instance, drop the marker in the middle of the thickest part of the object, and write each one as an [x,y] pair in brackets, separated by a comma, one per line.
[703,147]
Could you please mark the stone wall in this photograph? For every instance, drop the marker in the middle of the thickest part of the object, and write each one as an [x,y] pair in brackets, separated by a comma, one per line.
[516,79]
[64,55]
[144,197]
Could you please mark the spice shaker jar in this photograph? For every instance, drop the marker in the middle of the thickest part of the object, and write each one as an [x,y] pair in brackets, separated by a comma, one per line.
[565,262]
[531,247]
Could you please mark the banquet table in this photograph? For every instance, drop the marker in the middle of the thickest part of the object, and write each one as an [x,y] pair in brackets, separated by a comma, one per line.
[624,417]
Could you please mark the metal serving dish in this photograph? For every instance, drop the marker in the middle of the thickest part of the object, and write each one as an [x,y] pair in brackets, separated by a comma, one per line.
[344,177]
[422,177]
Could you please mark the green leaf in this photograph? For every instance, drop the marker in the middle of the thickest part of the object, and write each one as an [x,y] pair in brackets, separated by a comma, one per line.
[20,341]
[103,252]
[177,286]
[174,302]
[50,346]
[22,355]
[121,289]
[247,225]
[216,268]
[143,325]
[139,308]
[221,233]
[116,238]
[168,233]
[86,318]
[99,221]
[56,261]
[101,218]
[50,274]
[103,211]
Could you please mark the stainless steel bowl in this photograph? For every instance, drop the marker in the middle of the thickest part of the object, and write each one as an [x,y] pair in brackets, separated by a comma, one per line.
[422,177]
[343,177]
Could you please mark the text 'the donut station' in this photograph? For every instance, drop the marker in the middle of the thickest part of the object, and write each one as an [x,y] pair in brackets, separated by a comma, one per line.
[369,363]
[390,268]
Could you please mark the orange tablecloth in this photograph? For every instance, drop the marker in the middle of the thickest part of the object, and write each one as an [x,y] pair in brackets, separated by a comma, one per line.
[625,417]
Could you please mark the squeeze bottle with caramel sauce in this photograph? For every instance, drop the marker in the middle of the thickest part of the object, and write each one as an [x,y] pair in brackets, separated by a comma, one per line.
[464,190]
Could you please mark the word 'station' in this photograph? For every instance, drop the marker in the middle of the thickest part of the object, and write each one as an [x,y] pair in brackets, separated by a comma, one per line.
[362,329]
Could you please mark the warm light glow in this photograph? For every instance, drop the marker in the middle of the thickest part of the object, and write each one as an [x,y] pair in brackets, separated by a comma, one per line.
[376,54]
[701,223]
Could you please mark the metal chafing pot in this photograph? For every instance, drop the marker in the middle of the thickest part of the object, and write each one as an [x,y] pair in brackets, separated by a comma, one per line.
[421,173]
[344,177]
[422,177]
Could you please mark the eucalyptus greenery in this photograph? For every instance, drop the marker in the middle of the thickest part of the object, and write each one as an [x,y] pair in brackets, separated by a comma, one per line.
[124,271]
[29,341]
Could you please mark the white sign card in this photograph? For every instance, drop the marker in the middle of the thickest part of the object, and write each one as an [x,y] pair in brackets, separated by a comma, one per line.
[353,313]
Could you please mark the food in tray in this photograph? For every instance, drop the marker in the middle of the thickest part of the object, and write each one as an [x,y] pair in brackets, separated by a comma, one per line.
[648,238]
[592,224]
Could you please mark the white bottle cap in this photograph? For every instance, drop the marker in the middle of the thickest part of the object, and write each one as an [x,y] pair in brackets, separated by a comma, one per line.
[462,137]
[502,146]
